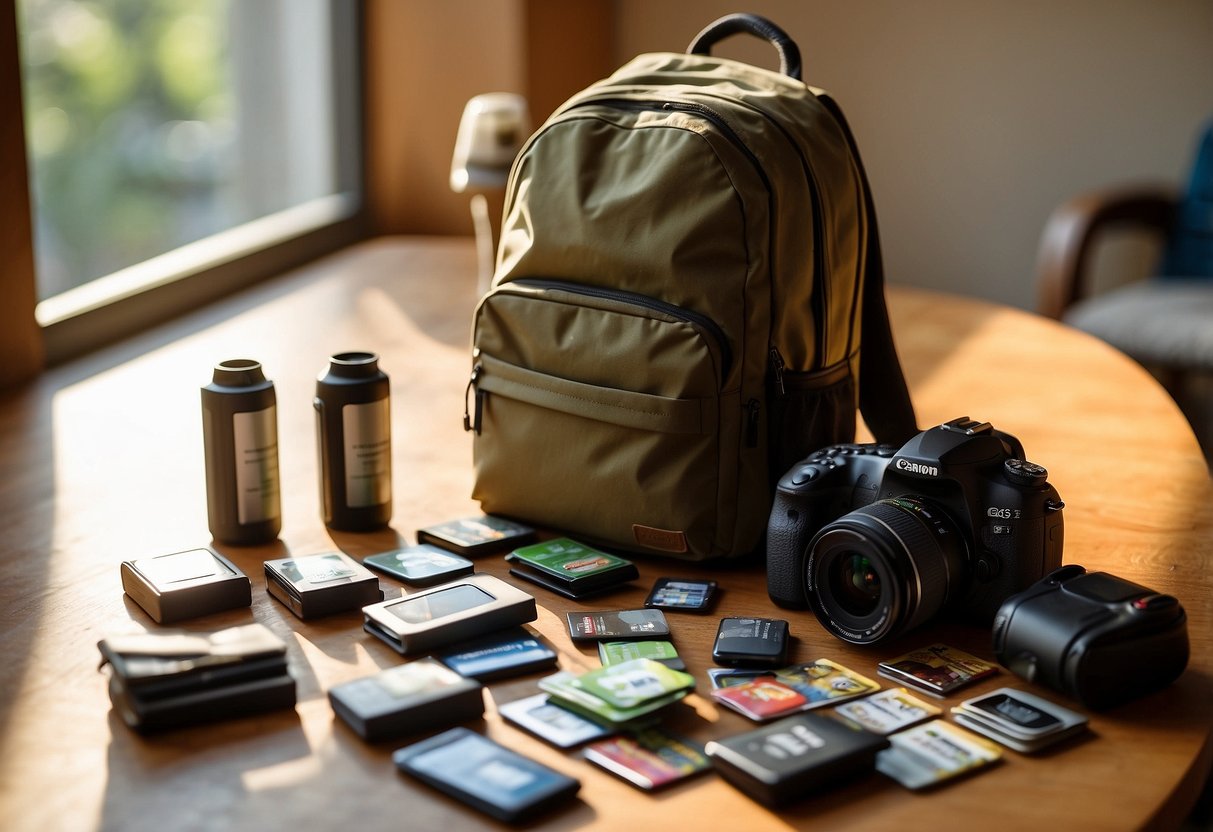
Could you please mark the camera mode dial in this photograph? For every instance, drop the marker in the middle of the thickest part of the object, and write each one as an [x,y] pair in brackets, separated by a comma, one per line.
[1022,472]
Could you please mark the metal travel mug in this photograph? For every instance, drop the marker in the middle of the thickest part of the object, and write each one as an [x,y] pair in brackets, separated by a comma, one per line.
[240,440]
[354,440]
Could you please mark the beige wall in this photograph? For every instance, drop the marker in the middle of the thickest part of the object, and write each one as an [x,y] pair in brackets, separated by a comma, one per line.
[977,117]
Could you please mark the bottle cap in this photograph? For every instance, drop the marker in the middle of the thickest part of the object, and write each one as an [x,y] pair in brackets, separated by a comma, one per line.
[354,365]
[238,372]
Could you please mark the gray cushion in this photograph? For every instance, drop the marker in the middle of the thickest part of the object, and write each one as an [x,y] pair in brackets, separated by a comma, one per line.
[1165,323]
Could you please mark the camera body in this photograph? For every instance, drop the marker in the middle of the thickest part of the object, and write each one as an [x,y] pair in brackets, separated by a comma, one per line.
[1092,636]
[876,539]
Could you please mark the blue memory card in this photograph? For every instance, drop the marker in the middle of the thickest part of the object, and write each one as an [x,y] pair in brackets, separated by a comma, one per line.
[485,775]
[509,653]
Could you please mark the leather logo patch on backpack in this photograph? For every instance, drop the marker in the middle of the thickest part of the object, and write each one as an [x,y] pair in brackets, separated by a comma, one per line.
[660,539]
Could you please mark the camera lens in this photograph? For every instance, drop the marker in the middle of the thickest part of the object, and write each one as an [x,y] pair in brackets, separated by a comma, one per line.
[883,569]
[857,583]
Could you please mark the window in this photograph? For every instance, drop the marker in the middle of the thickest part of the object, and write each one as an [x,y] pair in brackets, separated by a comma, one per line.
[168,139]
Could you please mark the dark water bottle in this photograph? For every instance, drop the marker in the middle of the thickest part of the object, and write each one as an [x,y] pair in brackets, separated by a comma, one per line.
[240,439]
[354,439]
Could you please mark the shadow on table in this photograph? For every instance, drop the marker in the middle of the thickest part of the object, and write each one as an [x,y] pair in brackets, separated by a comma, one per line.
[185,778]
[30,495]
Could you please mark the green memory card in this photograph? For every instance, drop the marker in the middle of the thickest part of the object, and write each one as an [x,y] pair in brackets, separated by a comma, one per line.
[568,559]
[634,683]
[617,652]
[570,565]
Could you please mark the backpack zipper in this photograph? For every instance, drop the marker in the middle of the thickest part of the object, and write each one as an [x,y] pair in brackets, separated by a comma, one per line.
[777,367]
[819,298]
[471,422]
[733,137]
[669,105]
[644,301]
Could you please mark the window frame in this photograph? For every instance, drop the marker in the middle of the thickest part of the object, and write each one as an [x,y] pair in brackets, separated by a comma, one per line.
[127,302]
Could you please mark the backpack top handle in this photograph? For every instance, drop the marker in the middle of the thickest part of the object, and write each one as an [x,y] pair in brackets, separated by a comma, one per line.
[759,27]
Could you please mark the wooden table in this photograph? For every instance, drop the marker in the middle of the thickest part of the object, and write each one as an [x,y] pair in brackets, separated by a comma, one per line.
[102,462]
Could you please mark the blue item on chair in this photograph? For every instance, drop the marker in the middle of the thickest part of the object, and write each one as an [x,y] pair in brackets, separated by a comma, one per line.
[1165,322]
[1189,250]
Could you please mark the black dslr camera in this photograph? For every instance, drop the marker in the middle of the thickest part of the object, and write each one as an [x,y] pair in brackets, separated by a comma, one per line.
[876,540]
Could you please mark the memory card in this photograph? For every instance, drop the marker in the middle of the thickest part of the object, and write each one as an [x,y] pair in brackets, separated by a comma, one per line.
[728,677]
[1020,713]
[472,536]
[934,752]
[511,652]
[682,595]
[936,670]
[548,721]
[485,775]
[570,568]
[621,625]
[888,711]
[617,652]
[649,759]
[323,584]
[421,565]
[1019,720]
[794,757]
[760,642]
[409,698]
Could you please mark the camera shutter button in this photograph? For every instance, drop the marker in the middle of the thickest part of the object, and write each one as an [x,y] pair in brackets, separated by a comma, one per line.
[805,474]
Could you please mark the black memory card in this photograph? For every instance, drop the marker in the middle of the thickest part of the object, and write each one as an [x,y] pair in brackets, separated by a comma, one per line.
[792,757]
[751,642]
[409,698]
[421,565]
[616,625]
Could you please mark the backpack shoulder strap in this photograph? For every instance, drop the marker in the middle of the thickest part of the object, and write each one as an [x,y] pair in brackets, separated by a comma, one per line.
[884,398]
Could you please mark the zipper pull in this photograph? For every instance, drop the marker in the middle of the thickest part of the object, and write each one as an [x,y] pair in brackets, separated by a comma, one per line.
[751,427]
[777,366]
[470,423]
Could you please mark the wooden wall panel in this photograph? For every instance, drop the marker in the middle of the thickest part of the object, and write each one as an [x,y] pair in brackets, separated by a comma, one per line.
[569,45]
[425,58]
[21,355]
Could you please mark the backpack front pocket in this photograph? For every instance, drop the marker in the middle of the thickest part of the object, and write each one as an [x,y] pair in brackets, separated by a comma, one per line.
[604,413]
[809,410]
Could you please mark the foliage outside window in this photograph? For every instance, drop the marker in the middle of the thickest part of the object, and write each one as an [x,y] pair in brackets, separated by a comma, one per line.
[152,124]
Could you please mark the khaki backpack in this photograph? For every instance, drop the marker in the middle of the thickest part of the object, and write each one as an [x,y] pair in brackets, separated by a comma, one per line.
[688,260]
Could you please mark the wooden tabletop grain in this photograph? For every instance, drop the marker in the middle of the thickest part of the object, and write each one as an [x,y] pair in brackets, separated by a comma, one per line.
[102,462]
